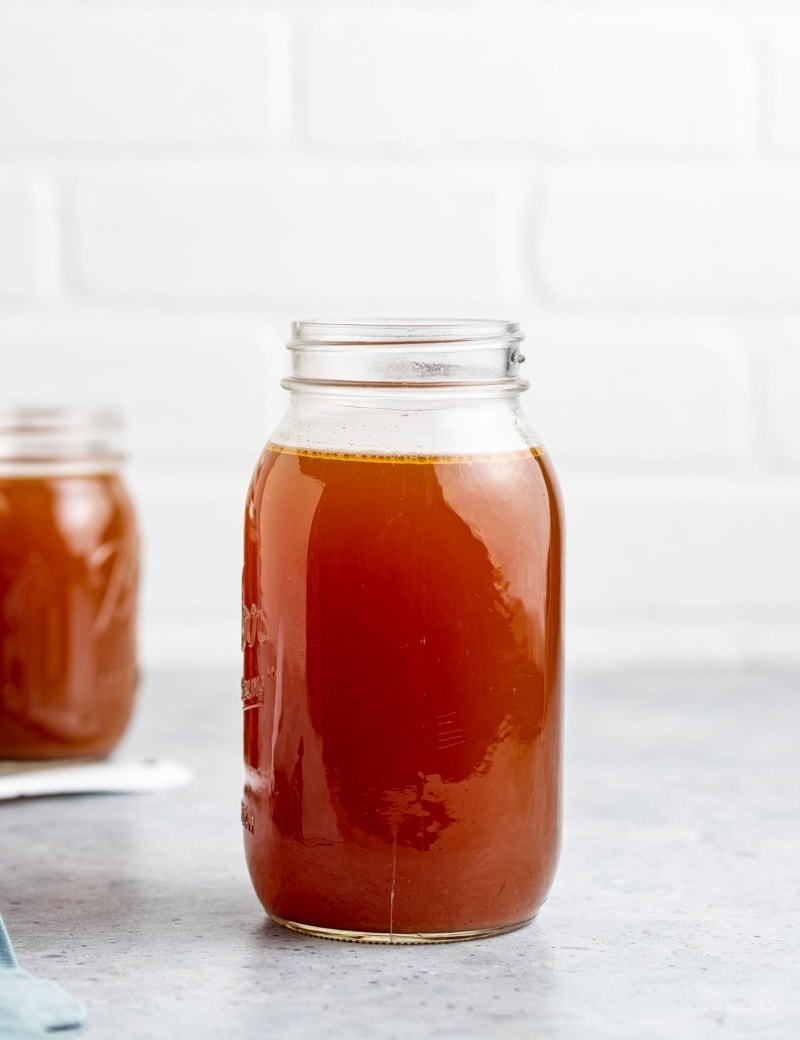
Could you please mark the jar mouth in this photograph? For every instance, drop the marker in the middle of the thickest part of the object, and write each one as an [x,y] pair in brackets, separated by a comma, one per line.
[399,352]
[43,433]
[405,331]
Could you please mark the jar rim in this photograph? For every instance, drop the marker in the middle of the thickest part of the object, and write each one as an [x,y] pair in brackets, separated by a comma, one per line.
[42,418]
[41,433]
[405,331]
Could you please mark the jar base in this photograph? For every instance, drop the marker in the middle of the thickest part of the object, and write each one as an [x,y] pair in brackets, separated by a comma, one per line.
[396,938]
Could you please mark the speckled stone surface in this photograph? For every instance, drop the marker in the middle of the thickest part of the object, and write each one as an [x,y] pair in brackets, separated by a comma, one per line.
[674,912]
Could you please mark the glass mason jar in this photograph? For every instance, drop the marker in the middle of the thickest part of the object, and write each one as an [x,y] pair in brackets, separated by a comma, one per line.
[402,639]
[68,585]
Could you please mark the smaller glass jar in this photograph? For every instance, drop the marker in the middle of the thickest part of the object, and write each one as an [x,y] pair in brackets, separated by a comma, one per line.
[69,564]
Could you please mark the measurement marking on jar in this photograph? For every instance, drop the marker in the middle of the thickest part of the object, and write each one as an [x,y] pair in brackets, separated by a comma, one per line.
[248,819]
[254,626]
[252,692]
[115,566]
[448,733]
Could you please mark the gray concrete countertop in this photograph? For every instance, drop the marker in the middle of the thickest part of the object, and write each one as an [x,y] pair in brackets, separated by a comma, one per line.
[674,912]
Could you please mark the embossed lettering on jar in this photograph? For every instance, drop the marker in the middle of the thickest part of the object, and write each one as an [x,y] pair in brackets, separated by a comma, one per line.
[401,630]
[68,585]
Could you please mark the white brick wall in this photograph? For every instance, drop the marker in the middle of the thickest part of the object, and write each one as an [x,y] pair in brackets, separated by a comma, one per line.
[148,79]
[681,544]
[180,179]
[784,85]
[19,241]
[781,367]
[533,79]
[646,396]
[289,237]
[703,238]
[192,399]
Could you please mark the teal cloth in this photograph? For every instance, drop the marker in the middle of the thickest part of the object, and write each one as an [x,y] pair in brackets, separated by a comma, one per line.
[29,1007]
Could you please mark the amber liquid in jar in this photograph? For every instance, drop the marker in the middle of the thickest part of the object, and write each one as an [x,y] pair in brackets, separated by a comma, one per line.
[68,581]
[402,691]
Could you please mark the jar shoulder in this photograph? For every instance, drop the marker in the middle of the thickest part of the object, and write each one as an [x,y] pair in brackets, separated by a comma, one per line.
[431,424]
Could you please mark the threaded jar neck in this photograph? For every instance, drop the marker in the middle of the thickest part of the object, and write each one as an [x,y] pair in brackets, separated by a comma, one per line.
[406,353]
[41,437]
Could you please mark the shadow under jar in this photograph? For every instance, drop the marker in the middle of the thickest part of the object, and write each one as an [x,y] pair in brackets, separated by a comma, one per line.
[69,560]
[401,629]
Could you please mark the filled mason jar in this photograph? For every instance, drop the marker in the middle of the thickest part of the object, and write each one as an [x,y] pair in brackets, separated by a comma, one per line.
[69,564]
[401,630]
